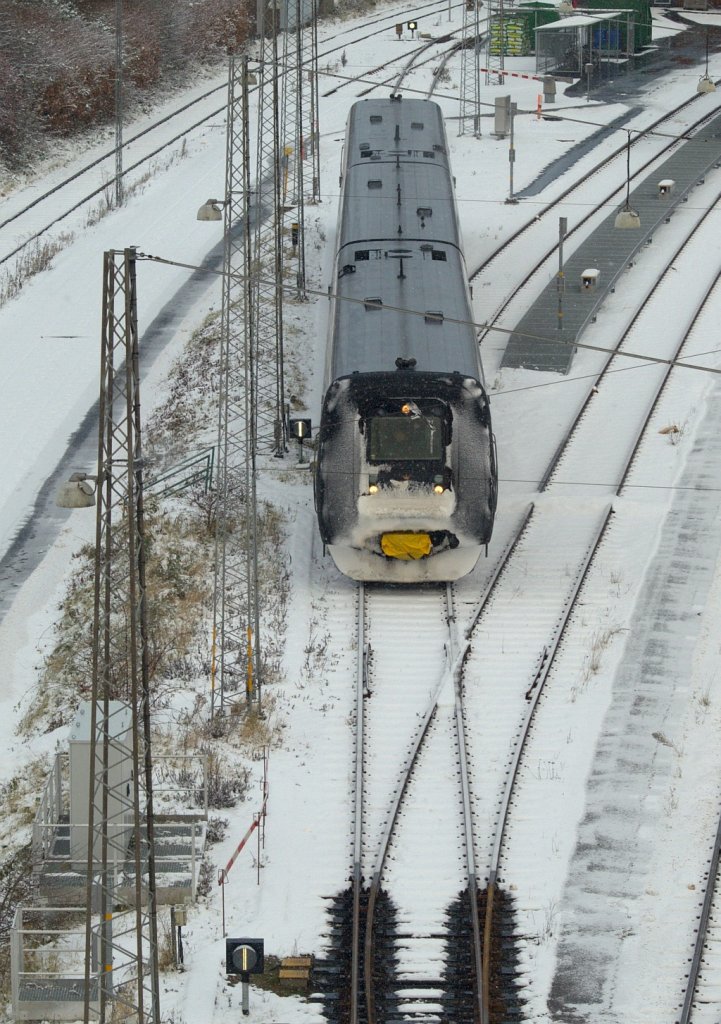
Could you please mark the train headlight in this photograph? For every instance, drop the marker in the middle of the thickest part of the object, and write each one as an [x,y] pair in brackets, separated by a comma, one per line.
[406,409]
[372,488]
[438,488]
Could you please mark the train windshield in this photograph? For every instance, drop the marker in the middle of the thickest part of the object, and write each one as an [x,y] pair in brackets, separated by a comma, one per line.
[405,438]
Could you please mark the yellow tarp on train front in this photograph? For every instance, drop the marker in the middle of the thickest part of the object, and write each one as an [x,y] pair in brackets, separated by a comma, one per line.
[406,545]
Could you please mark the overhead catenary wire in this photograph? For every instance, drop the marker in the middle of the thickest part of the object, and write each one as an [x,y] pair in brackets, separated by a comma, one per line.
[459,321]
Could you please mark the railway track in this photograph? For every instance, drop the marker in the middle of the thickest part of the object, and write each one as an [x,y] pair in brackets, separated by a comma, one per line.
[700,1003]
[522,622]
[429,930]
[503,263]
[407,711]
[624,391]
[90,182]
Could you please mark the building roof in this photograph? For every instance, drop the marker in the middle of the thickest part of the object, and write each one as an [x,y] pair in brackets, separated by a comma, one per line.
[582,20]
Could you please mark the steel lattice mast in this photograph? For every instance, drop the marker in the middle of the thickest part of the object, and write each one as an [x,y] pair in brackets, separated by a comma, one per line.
[496,42]
[120,835]
[470,91]
[291,164]
[299,89]
[267,263]
[302,122]
[311,130]
[236,656]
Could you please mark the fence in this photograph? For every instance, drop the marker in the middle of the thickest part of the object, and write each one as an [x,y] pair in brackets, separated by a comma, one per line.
[47,965]
[193,471]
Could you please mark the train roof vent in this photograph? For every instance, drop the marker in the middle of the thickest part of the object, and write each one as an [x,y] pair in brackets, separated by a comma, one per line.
[376,118]
[375,156]
[417,126]
[438,254]
[375,183]
[362,254]
[429,154]
[424,211]
[433,316]
[438,148]
[364,145]
[373,303]
[426,247]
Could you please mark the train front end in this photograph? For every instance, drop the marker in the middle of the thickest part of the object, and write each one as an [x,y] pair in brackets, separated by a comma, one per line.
[405,481]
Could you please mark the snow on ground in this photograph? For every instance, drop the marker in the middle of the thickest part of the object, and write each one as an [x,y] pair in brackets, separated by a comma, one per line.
[50,336]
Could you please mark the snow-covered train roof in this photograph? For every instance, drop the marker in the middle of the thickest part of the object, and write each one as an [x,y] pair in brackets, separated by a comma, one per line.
[399,246]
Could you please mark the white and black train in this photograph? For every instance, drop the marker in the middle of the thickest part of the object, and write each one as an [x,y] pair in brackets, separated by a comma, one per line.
[406,481]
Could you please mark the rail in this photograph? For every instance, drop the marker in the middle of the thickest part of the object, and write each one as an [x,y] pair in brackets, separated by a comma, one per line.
[643,134]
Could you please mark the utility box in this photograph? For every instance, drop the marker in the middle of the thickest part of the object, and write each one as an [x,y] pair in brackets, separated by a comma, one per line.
[589,279]
[665,187]
[119,784]
[549,89]
[502,120]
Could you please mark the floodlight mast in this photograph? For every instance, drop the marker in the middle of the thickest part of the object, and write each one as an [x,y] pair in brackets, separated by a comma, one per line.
[120,830]
[267,310]
[236,643]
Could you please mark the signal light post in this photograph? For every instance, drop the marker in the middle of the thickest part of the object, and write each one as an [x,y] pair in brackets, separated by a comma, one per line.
[244,957]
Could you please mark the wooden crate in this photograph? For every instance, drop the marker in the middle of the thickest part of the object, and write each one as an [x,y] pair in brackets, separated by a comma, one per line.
[296,970]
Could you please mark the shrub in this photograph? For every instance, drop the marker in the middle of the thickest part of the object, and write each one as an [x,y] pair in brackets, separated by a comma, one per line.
[57,60]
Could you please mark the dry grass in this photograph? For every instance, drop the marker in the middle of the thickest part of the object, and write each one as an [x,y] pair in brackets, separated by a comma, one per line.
[36,257]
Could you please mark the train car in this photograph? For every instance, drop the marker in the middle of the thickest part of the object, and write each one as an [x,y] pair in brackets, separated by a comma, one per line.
[405,477]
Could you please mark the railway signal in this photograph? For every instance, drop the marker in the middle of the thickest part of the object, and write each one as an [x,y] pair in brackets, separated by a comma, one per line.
[399,29]
[300,429]
[412,26]
[244,957]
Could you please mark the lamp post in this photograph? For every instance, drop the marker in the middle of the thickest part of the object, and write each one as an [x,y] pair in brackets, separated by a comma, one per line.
[627,218]
[560,280]
[210,210]
[705,83]
[77,492]
[511,155]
